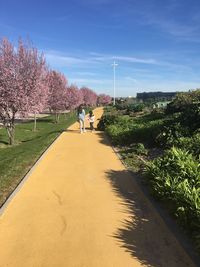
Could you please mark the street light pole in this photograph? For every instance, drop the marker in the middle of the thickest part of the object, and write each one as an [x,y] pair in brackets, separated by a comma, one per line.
[114,65]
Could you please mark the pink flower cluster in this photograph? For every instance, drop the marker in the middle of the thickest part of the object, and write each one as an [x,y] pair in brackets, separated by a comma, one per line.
[103,99]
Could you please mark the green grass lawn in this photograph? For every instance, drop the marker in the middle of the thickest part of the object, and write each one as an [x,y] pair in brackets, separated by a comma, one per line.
[16,160]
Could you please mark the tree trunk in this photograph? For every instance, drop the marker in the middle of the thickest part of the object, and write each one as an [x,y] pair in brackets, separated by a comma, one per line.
[11,134]
[65,115]
[35,122]
[57,117]
[71,113]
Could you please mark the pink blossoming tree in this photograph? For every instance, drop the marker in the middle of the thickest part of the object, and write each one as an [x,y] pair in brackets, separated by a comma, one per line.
[20,74]
[35,79]
[57,84]
[89,96]
[74,97]
[104,99]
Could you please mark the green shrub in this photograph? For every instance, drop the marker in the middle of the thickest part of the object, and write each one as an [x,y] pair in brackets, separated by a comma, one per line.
[190,117]
[183,101]
[191,144]
[126,130]
[139,149]
[170,135]
[188,104]
[175,178]
[135,107]
[105,120]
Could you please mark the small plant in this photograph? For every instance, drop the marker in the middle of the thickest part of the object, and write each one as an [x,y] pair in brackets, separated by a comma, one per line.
[139,149]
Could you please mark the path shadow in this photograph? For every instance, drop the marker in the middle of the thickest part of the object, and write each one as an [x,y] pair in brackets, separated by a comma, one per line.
[103,138]
[31,120]
[2,140]
[72,131]
[144,235]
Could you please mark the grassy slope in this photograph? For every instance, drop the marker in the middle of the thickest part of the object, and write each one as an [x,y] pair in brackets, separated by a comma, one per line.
[15,161]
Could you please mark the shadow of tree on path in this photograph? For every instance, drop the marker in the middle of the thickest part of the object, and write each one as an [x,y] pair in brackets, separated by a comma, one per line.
[144,235]
[103,138]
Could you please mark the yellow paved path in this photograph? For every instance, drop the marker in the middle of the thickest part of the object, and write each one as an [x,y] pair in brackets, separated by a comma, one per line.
[80,208]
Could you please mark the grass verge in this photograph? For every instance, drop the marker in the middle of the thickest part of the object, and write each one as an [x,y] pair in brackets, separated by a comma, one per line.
[17,160]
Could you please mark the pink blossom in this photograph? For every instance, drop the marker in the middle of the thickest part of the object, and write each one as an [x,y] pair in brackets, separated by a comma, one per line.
[104,99]
[74,97]
[89,96]
[57,84]
[22,74]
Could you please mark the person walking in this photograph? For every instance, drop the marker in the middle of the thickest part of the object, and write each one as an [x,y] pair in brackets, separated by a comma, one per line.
[81,118]
[91,119]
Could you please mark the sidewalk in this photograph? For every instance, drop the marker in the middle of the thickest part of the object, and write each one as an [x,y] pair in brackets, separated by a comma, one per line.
[79,207]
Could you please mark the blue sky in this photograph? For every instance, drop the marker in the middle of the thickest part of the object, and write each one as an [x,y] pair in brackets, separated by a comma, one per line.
[155,42]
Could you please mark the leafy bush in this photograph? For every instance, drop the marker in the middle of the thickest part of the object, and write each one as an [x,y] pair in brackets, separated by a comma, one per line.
[125,130]
[135,107]
[170,135]
[191,144]
[130,156]
[188,105]
[175,178]
[105,120]
[190,117]
[121,106]
[183,101]
[139,149]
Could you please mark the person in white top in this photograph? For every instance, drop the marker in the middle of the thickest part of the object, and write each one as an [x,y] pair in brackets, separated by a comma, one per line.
[91,119]
[81,118]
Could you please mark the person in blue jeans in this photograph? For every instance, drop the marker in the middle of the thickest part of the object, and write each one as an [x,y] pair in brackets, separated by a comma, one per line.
[81,118]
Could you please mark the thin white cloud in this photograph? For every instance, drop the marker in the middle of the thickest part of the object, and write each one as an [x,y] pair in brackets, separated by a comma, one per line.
[91,81]
[86,73]
[130,59]
[60,59]
[136,60]
[131,79]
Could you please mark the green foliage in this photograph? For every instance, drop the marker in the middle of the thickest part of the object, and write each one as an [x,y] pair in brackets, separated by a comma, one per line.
[126,130]
[170,135]
[134,107]
[121,106]
[175,178]
[130,156]
[191,144]
[184,100]
[139,149]
[188,105]
[106,119]
[190,117]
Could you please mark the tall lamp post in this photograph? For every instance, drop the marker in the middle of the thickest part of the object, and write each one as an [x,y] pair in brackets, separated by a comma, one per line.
[114,66]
